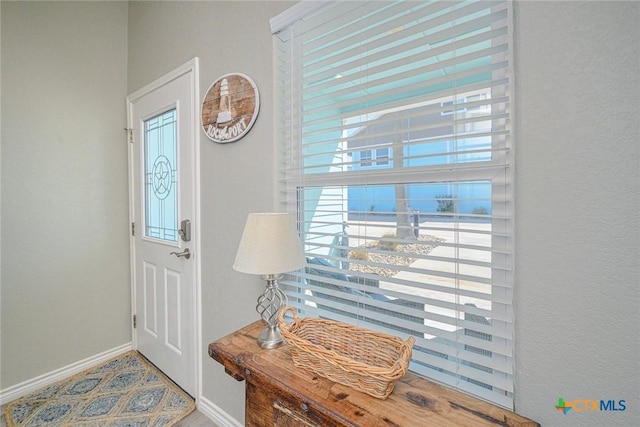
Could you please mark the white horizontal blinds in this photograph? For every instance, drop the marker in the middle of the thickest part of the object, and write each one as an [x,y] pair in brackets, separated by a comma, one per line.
[395,133]
[410,62]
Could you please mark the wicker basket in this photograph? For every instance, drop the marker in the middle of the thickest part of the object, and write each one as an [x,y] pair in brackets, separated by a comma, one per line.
[365,360]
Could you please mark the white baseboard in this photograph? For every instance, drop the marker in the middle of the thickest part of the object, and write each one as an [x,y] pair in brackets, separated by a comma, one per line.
[14,392]
[215,414]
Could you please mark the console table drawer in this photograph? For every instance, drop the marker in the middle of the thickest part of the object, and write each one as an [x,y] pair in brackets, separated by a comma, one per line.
[285,417]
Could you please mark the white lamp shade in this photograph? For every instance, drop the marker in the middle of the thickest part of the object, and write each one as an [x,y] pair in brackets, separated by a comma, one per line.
[270,245]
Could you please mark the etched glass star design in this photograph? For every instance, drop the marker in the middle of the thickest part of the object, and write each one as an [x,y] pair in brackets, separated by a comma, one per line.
[161,177]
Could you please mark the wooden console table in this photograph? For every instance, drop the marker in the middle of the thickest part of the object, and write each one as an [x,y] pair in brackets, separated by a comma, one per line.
[279,394]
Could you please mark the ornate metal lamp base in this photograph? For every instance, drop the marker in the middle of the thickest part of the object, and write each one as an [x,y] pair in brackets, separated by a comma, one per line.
[269,305]
[270,337]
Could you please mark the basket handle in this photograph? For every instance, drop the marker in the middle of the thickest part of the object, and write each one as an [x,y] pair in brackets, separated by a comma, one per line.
[410,341]
[405,355]
[284,311]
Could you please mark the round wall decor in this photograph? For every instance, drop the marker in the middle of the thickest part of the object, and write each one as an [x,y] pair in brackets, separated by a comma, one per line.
[230,108]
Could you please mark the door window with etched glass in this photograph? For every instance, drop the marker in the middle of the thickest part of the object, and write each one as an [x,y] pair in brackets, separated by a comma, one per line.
[161,175]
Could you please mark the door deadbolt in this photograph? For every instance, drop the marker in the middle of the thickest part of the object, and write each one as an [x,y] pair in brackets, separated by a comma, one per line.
[185,230]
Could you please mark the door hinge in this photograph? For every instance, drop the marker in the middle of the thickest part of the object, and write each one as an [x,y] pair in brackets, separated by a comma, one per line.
[130,135]
[133,228]
[135,321]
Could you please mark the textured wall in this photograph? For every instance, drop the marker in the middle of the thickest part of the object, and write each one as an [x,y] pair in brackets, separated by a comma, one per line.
[577,209]
[65,246]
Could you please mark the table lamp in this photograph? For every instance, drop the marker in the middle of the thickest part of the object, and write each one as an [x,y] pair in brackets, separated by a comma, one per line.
[270,246]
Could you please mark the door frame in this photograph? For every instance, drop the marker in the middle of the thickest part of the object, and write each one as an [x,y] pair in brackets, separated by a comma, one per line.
[190,67]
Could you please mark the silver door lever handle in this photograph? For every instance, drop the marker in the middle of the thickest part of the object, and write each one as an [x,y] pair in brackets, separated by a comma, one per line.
[184,253]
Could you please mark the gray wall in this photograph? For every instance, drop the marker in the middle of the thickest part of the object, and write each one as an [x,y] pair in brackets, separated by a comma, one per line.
[577,208]
[577,203]
[65,246]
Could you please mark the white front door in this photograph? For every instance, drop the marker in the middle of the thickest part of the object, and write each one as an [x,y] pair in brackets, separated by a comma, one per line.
[163,137]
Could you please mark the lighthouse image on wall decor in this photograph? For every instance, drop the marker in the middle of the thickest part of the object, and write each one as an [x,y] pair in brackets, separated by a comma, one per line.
[230,108]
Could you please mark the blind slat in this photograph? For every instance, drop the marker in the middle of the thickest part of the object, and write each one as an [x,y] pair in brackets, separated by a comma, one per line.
[392,36]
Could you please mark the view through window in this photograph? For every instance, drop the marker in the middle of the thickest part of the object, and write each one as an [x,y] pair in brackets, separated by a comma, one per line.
[395,157]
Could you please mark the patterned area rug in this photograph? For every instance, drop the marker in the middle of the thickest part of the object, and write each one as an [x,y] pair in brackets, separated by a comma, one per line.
[125,391]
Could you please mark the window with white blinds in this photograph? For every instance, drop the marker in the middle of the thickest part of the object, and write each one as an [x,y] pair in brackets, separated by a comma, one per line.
[394,133]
